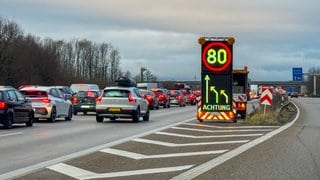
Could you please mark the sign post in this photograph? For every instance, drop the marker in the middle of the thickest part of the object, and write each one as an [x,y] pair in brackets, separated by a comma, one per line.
[266,98]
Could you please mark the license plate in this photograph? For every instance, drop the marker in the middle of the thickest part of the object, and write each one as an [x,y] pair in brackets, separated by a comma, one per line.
[85,106]
[114,109]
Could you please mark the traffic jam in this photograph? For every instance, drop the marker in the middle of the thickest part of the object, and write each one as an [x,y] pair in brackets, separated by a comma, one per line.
[185,150]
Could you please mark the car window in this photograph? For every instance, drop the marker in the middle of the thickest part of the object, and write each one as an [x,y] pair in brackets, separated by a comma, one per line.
[1,96]
[54,92]
[88,94]
[60,93]
[34,93]
[137,92]
[20,96]
[12,96]
[115,93]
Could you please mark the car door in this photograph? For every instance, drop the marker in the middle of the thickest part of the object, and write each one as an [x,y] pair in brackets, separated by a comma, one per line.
[65,102]
[15,105]
[57,101]
[25,106]
[143,102]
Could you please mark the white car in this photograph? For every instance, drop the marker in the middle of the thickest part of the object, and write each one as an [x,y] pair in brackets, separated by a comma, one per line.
[48,103]
[122,102]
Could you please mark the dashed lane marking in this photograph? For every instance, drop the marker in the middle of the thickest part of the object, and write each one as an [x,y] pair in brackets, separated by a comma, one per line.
[11,134]
[204,137]
[82,174]
[161,143]
[221,131]
[229,127]
[142,156]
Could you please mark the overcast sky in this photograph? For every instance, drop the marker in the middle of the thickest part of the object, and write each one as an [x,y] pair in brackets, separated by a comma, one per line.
[272,36]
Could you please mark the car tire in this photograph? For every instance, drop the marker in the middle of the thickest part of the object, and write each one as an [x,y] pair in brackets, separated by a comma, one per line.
[29,123]
[146,117]
[75,112]
[99,119]
[84,113]
[136,115]
[112,118]
[8,123]
[53,115]
[69,117]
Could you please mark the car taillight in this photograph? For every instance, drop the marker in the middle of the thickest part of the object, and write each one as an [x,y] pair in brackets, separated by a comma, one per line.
[74,100]
[179,97]
[149,98]
[3,105]
[98,99]
[131,99]
[46,100]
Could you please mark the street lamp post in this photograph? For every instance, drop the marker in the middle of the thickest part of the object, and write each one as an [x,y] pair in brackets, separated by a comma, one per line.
[141,73]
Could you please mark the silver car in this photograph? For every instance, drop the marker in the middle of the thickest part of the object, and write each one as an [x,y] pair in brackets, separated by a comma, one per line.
[121,102]
[48,103]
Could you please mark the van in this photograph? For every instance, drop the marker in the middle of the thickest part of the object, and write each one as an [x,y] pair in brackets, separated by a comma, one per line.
[84,87]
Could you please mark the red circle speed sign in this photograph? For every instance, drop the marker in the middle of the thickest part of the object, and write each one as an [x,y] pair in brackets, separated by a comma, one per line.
[216,56]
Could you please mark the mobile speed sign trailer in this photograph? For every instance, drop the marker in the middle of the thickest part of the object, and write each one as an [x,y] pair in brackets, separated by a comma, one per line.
[216,101]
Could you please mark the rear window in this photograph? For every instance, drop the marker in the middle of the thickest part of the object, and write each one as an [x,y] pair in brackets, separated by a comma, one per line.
[34,93]
[88,94]
[115,93]
[1,96]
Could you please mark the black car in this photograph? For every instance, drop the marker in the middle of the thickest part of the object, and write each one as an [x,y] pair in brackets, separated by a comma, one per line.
[85,101]
[14,108]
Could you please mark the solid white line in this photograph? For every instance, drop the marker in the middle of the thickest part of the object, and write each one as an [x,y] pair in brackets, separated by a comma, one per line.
[161,143]
[204,137]
[26,170]
[79,173]
[194,172]
[11,134]
[221,131]
[142,156]
[229,127]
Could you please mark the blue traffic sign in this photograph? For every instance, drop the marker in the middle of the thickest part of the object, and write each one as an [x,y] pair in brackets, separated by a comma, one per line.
[297,74]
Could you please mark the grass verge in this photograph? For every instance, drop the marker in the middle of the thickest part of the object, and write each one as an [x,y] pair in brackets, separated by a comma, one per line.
[279,117]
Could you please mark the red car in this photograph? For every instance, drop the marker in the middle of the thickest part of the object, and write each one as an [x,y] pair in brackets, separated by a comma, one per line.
[163,97]
[191,98]
[177,98]
[151,98]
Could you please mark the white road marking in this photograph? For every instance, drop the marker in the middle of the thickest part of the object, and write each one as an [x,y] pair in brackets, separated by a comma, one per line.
[202,168]
[204,137]
[142,156]
[228,127]
[161,143]
[221,131]
[82,174]
[11,134]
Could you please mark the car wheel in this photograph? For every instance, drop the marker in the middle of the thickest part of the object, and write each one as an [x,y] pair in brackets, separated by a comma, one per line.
[53,115]
[31,119]
[112,119]
[8,123]
[69,117]
[99,119]
[146,116]
[85,113]
[168,105]
[136,115]
[75,112]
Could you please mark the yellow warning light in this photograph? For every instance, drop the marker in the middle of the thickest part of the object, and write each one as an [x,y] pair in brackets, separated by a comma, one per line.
[230,40]
[202,40]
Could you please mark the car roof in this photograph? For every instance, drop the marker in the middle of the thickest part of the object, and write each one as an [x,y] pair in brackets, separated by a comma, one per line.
[42,88]
[119,87]
[6,87]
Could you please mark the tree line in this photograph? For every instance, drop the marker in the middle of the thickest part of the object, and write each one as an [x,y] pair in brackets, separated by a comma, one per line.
[30,60]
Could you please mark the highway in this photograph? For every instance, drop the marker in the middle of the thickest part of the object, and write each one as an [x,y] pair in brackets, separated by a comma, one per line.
[173,145]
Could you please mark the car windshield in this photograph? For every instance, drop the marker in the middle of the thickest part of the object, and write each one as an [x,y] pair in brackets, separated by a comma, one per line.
[88,94]
[34,93]
[116,93]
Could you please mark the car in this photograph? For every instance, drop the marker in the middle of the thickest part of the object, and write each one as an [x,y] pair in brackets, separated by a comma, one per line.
[151,98]
[14,108]
[163,96]
[190,97]
[177,98]
[84,87]
[294,94]
[122,101]
[85,101]
[48,103]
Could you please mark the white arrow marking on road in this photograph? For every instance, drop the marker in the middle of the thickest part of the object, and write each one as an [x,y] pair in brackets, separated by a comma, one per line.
[204,137]
[161,143]
[79,173]
[221,131]
[142,156]
[236,127]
